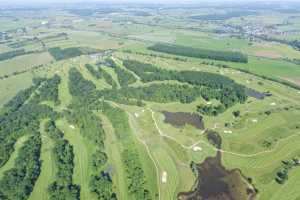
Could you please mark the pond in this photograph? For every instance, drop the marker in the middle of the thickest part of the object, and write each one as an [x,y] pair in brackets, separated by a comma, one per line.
[255,94]
[180,119]
[215,182]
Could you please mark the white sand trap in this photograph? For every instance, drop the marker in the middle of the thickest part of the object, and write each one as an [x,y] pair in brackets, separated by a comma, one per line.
[215,126]
[197,148]
[227,131]
[143,110]
[254,120]
[72,127]
[136,115]
[208,103]
[273,104]
[164,177]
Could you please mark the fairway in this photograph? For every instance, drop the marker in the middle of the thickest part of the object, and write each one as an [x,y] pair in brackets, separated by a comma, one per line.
[81,152]
[48,168]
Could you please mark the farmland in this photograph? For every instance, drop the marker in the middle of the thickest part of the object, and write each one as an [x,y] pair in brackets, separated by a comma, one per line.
[150,102]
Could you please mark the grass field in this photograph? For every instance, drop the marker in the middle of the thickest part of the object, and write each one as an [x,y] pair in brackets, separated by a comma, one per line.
[25,62]
[11,86]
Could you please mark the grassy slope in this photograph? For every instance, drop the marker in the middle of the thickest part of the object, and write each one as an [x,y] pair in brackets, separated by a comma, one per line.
[11,86]
[24,62]
[48,169]
[113,147]
[82,151]
[10,163]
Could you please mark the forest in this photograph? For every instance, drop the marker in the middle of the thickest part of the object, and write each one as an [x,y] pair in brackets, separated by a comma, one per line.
[200,53]
[71,52]
[213,86]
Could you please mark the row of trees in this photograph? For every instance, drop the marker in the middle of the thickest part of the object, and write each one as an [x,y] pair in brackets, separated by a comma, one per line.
[12,54]
[282,174]
[161,93]
[96,73]
[62,187]
[79,87]
[99,73]
[200,53]
[148,73]
[71,52]
[108,78]
[48,91]
[90,127]
[211,110]
[18,182]
[125,78]
[136,180]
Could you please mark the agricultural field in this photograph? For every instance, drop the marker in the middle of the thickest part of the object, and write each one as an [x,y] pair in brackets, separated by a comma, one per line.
[150,102]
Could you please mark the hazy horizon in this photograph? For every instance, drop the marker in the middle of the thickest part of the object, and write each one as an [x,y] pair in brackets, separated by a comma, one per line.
[139,1]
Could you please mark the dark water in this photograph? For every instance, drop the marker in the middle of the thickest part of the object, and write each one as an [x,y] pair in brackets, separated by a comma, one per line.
[215,182]
[258,95]
[179,119]
[214,138]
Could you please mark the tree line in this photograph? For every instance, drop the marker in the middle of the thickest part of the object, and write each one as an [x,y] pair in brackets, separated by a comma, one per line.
[63,186]
[125,77]
[91,128]
[213,86]
[48,91]
[18,182]
[71,52]
[136,180]
[15,53]
[200,53]
[99,73]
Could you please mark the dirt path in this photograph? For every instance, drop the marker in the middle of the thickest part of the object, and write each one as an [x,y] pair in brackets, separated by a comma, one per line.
[216,149]
[148,151]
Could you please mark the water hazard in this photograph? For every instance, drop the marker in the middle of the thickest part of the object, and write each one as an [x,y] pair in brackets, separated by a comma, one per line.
[215,182]
[180,119]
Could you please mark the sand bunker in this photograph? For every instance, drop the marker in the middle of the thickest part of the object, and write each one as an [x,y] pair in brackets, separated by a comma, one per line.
[197,148]
[164,177]
[254,120]
[227,131]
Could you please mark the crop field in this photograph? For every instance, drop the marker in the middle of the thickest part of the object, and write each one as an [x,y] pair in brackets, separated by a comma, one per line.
[136,102]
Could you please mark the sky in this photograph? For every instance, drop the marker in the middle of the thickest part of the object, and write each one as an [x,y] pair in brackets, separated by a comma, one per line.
[137,1]
[40,2]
